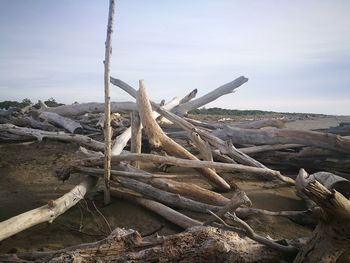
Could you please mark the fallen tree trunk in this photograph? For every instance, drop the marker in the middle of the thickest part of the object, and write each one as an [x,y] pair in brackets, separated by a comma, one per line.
[136,136]
[284,136]
[39,134]
[159,139]
[68,124]
[91,107]
[46,213]
[228,88]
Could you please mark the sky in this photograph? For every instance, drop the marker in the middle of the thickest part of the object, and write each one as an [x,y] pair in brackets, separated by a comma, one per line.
[296,54]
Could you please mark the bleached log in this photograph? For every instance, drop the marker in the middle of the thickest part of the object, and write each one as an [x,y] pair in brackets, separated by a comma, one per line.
[284,136]
[228,88]
[46,213]
[91,107]
[159,139]
[121,141]
[39,134]
[225,148]
[68,124]
[136,136]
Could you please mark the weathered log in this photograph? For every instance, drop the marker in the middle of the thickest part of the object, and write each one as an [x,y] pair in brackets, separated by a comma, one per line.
[228,88]
[225,148]
[91,107]
[197,244]
[168,213]
[46,213]
[332,235]
[68,124]
[190,190]
[39,134]
[310,158]
[121,141]
[284,136]
[267,148]
[173,200]
[158,138]
[265,172]
[342,129]
[136,136]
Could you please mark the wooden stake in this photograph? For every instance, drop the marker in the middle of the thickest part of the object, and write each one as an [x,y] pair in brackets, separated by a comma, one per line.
[136,136]
[107,128]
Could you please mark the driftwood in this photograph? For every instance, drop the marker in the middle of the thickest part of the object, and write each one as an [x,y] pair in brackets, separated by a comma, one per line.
[190,190]
[136,136]
[332,235]
[159,139]
[68,124]
[342,129]
[168,213]
[264,172]
[228,88]
[267,148]
[284,136]
[121,141]
[225,148]
[173,200]
[197,244]
[46,213]
[91,107]
[107,108]
[61,136]
[239,198]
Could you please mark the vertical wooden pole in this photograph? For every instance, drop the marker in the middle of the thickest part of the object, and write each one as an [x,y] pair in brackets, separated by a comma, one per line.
[107,127]
[136,136]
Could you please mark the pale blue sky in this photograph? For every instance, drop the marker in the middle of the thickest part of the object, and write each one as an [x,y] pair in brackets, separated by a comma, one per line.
[296,54]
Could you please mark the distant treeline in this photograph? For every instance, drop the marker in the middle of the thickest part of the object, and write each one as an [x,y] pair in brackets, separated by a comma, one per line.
[227,112]
[220,111]
[51,102]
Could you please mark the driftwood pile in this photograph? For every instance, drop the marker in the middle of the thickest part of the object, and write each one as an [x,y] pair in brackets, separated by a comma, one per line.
[175,140]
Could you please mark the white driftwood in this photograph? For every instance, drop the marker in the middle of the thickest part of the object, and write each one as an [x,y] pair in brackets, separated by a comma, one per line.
[121,141]
[266,148]
[46,213]
[39,134]
[284,136]
[91,107]
[159,139]
[68,124]
[211,96]
[225,148]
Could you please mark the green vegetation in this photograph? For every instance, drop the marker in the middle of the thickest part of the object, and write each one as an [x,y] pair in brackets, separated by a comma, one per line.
[51,102]
[220,111]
